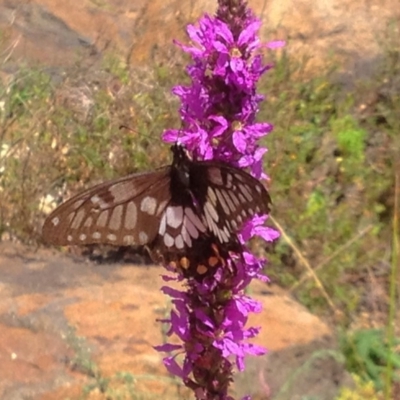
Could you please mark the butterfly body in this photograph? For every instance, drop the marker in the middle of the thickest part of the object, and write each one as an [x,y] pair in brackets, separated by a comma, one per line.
[175,210]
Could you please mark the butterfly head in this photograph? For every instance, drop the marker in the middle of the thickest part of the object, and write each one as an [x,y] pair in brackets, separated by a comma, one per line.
[181,164]
[180,154]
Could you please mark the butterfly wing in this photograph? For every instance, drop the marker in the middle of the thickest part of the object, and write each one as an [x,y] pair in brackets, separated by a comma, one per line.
[125,211]
[188,213]
[199,227]
[181,227]
[228,196]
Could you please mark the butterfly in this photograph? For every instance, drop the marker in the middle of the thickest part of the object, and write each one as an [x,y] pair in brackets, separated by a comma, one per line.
[185,213]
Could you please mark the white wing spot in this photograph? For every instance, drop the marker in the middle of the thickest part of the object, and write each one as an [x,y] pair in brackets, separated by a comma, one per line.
[69,238]
[259,188]
[148,205]
[212,211]
[95,199]
[70,217]
[228,225]
[245,190]
[239,177]
[130,215]
[123,191]
[168,240]
[210,221]
[218,233]
[116,218]
[112,237]
[102,220]
[224,235]
[163,225]
[212,196]
[228,200]
[128,240]
[82,237]
[195,220]
[88,222]
[189,227]
[143,238]
[76,223]
[235,199]
[174,216]
[161,207]
[77,204]
[227,231]
[96,235]
[229,180]
[55,221]
[179,242]
[222,202]
[185,234]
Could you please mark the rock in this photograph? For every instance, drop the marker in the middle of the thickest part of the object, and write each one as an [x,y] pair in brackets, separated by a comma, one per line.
[60,32]
[67,323]
[312,370]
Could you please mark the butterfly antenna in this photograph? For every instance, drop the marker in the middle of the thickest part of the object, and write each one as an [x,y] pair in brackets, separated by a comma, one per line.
[127,128]
[178,142]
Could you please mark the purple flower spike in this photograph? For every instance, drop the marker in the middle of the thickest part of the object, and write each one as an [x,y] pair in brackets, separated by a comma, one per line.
[218,112]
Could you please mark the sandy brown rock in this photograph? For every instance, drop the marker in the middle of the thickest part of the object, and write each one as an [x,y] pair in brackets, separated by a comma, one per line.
[60,32]
[57,314]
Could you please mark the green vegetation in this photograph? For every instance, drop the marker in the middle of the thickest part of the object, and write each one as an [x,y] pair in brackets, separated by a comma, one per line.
[332,159]
[121,385]
[57,136]
[367,354]
[362,391]
[332,177]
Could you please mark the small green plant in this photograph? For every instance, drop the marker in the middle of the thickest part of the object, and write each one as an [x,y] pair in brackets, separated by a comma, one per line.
[82,359]
[350,137]
[127,386]
[316,202]
[362,391]
[367,355]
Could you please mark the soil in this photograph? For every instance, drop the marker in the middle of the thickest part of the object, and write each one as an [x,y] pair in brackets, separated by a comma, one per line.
[66,322]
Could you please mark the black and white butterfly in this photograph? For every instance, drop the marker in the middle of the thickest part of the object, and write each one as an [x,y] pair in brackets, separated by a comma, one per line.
[189,207]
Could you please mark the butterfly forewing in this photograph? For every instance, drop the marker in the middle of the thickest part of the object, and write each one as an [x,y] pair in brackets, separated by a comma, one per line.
[121,212]
[228,197]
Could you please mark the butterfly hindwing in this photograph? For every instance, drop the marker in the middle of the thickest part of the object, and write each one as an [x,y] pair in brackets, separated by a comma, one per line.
[125,211]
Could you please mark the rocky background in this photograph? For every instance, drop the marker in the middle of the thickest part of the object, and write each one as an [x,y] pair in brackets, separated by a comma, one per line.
[52,33]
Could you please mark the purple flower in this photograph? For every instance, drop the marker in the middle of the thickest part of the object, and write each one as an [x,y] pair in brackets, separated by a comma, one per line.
[218,112]
[256,227]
